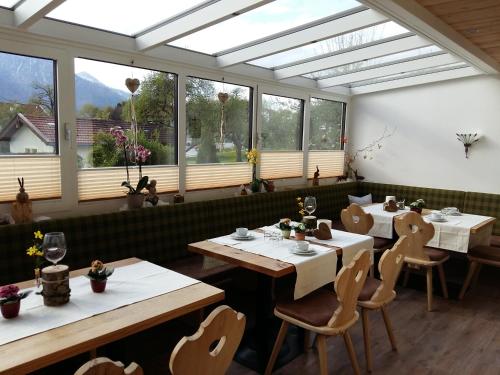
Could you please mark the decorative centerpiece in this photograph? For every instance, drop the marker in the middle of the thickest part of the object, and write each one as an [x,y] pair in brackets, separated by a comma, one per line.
[286,227]
[390,206]
[253,157]
[135,197]
[417,206]
[35,251]
[21,209]
[300,232]
[98,275]
[55,278]
[308,204]
[10,300]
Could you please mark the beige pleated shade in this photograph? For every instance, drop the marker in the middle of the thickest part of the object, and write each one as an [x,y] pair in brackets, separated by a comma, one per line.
[209,176]
[42,177]
[330,163]
[281,164]
[100,183]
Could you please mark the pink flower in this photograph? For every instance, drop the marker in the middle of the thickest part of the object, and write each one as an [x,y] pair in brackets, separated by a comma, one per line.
[8,291]
[141,154]
[119,135]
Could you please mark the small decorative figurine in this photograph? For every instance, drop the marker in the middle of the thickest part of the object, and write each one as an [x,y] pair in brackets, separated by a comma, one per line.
[152,197]
[178,198]
[391,206]
[316,177]
[323,232]
[21,209]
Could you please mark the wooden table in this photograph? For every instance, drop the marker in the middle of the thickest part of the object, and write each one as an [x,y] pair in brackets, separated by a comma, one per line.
[43,349]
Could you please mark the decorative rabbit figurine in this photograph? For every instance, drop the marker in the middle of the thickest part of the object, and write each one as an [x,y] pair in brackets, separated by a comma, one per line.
[316,177]
[21,208]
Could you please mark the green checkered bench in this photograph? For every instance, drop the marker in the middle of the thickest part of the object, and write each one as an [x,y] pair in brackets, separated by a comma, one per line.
[161,234]
[484,204]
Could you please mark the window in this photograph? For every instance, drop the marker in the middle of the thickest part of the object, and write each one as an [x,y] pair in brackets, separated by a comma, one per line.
[282,123]
[103,102]
[218,133]
[28,125]
[325,138]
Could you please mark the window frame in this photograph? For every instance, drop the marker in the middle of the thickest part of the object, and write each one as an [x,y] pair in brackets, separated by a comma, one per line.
[343,122]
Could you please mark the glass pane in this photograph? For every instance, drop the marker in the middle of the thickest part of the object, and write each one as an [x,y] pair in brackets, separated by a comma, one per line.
[28,121]
[371,63]
[218,121]
[9,3]
[338,43]
[327,119]
[414,73]
[281,123]
[103,102]
[127,17]
[266,20]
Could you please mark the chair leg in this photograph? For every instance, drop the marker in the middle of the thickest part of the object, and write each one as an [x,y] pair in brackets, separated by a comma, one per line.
[323,358]
[352,353]
[388,327]
[366,337]
[307,340]
[444,287]
[277,346]
[429,288]
[472,270]
[476,275]
[407,277]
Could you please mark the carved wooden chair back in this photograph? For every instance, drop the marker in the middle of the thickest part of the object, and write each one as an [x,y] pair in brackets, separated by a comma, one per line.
[348,285]
[105,366]
[418,231]
[211,349]
[356,220]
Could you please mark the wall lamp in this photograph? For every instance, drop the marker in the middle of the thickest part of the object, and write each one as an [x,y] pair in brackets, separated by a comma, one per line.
[468,139]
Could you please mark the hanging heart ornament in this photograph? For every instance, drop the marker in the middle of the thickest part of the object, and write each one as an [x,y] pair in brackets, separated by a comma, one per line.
[132,84]
[223,97]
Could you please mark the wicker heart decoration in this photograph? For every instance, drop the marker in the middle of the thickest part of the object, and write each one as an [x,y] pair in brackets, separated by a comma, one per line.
[132,84]
[390,206]
[223,97]
[323,232]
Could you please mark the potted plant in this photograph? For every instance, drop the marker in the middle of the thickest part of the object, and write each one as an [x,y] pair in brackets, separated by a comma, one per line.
[300,232]
[135,197]
[268,185]
[286,227]
[98,275]
[417,206]
[10,300]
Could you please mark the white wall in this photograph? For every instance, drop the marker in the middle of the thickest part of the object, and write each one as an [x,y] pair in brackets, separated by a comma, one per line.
[25,138]
[425,151]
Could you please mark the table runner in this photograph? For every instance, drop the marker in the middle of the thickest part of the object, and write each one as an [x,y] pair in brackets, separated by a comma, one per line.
[313,272]
[129,284]
[382,220]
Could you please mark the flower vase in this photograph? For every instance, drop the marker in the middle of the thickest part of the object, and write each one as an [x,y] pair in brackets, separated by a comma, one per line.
[135,200]
[418,210]
[255,186]
[11,309]
[285,233]
[98,286]
[300,236]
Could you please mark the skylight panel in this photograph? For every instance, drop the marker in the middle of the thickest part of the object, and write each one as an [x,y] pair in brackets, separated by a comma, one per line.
[8,3]
[335,44]
[128,17]
[384,60]
[269,19]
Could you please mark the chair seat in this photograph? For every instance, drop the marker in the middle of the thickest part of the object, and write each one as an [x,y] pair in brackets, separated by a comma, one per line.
[315,309]
[382,243]
[489,253]
[435,254]
[371,285]
[495,241]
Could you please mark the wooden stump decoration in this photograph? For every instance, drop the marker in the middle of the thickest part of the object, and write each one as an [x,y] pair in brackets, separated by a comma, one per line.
[55,281]
[390,206]
[323,232]
[310,223]
[21,209]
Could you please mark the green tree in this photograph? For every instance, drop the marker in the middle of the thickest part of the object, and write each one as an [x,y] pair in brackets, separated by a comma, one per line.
[326,125]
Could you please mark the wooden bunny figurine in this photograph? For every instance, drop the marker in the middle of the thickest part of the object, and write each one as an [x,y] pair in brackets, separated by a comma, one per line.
[21,208]
[316,177]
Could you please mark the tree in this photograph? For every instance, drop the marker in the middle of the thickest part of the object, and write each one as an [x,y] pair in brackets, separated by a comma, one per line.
[325,125]
[44,97]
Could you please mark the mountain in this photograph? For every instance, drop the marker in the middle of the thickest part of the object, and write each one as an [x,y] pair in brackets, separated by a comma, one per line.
[19,74]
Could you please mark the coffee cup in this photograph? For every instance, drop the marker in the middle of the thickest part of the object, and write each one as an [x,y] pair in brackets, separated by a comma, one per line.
[242,232]
[437,215]
[302,246]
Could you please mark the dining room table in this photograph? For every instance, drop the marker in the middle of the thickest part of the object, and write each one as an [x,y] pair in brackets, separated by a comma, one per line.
[139,295]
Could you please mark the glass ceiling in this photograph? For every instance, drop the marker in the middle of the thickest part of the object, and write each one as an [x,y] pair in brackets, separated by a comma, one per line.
[327,46]
[375,62]
[269,19]
[8,3]
[128,17]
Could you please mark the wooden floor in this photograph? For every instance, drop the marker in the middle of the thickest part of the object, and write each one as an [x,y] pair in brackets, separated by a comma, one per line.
[458,338]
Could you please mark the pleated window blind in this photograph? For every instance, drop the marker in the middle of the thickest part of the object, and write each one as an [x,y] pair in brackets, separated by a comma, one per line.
[42,177]
[209,176]
[100,183]
[330,163]
[281,164]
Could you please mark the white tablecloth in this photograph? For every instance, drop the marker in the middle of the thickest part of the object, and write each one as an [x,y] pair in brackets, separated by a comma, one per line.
[127,285]
[382,220]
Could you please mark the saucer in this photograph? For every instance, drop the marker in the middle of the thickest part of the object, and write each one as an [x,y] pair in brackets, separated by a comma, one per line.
[442,220]
[248,237]
[308,252]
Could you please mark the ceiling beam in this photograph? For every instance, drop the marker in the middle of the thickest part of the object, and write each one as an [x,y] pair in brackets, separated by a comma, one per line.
[417,80]
[304,35]
[194,21]
[359,54]
[31,11]
[382,71]
[415,17]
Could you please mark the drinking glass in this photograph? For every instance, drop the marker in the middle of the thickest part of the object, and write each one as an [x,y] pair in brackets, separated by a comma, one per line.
[310,204]
[54,246]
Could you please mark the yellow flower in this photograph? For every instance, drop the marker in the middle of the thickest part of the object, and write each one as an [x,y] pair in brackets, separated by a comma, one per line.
[301,204]
[39,253]
[32,251]
[302,212]
[252,156]
[298,199]
[38,235]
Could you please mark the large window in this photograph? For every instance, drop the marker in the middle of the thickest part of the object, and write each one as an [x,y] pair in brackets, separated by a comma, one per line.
[325,138]
[218,133]
[103,102]
[28,127]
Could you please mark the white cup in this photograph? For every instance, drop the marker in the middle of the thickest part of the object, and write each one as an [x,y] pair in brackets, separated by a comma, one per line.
[390,198]
[436,215]
[302,245]
[326,221]
[242,232]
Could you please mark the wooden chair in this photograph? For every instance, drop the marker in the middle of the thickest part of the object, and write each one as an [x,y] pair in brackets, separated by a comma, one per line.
[417,255]
[326,313]
[211,349]
[478,256]
[376,294]
[356,220]
[105,366]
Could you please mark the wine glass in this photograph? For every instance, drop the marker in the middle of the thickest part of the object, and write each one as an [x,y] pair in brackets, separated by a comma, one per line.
[54,247]
[310,204]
